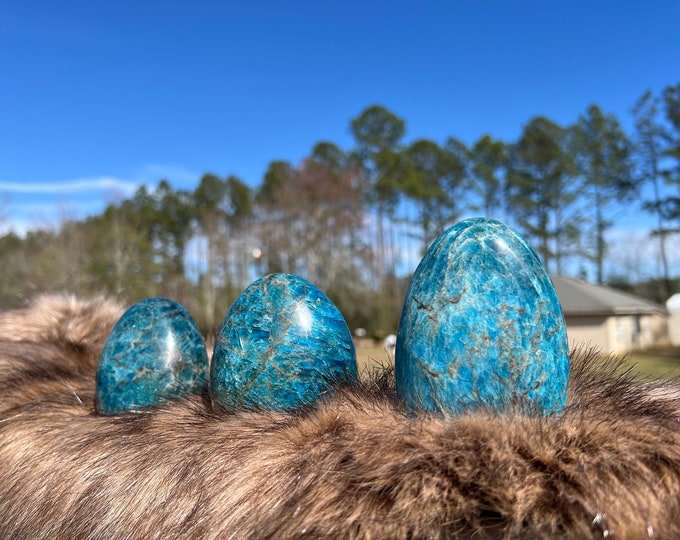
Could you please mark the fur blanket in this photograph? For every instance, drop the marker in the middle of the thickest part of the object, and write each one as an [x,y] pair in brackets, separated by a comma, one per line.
[357,466]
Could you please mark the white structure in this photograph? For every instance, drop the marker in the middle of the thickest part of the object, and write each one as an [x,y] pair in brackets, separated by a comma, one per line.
[390,344]
[673,307]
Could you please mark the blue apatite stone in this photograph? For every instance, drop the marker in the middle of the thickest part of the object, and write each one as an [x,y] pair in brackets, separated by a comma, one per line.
[282,345]
[154,352]
[482,326]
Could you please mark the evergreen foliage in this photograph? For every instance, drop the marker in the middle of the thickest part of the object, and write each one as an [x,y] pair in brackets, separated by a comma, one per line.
[355,221]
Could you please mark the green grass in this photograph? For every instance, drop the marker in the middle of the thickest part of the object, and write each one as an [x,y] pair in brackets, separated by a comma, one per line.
[661,362]
[371,356]
[658,362]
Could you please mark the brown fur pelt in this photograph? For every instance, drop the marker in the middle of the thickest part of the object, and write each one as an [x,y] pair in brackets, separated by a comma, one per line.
[357,466]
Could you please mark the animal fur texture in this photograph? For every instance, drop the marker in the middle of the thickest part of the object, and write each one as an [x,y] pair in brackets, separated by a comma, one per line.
[357,466]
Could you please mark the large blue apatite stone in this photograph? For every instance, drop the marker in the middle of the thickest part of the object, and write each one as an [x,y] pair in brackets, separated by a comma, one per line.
[482,326]
[282,345]
[154,352]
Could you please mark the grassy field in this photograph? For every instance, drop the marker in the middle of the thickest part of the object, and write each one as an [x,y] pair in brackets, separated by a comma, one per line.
[371,356]
[660,362]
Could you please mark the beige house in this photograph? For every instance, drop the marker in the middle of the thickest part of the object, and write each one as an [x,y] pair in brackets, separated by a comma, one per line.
[612,320]
[673,306]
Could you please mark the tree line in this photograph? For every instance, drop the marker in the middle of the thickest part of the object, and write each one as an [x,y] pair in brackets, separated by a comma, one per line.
[350,220]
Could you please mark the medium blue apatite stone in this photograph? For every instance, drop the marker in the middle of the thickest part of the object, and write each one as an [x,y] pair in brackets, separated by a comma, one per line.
[155,352]
[282,345]
[482,326]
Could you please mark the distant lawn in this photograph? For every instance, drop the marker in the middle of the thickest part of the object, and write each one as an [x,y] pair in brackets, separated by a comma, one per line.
[372,356]
[659,362]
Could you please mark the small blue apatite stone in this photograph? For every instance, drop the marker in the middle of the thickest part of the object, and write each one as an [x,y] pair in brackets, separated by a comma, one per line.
[155,352]
[482,326]
[282,345]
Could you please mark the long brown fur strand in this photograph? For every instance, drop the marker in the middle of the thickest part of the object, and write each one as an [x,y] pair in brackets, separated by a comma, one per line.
[357,466]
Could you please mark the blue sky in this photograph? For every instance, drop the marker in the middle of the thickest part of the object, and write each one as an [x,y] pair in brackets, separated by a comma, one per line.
[99,97]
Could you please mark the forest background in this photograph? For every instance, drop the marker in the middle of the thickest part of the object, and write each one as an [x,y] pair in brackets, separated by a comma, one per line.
[354,221]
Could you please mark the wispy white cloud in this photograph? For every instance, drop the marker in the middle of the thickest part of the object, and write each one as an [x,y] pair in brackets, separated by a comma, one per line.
[42,204]
[148,175]
[101,183]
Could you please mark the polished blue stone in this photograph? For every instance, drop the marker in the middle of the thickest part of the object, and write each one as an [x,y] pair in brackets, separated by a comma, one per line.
[154,352]
[482,326]
[282,345]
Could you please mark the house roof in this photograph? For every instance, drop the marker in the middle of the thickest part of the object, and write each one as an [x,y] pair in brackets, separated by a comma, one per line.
[582,298]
